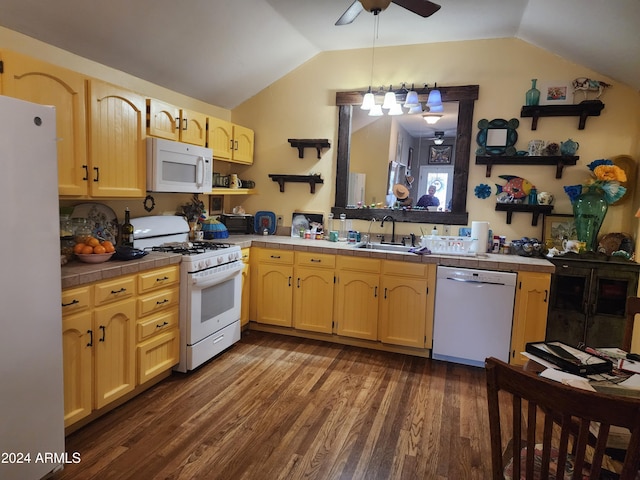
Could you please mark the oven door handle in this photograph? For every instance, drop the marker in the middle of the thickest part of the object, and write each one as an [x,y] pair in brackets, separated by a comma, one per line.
[204,282]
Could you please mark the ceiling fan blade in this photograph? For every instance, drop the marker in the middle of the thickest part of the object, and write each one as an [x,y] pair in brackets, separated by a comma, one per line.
[424,8]
[350,14]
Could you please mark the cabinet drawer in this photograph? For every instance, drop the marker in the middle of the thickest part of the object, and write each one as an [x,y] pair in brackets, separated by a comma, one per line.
[276,256]
[154,302]
[308,259]
[358,264]
[75,300]
[114,290]
[154,279]
[157,355]
[389,267]
[157,323]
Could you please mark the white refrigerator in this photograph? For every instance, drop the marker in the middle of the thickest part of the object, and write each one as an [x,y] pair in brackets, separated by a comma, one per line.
[31,379]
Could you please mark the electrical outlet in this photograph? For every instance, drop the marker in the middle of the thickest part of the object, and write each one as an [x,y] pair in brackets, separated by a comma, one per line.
[279,221]
[446,229]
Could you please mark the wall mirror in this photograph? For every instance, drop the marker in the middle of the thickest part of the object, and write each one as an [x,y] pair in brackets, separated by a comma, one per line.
[407,149]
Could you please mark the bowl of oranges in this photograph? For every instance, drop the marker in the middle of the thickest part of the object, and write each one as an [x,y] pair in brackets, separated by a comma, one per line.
[92,250]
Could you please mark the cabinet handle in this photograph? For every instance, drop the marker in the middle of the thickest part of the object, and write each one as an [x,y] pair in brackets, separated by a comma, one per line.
[162,302]
[274,256]
[185,121]
[73,302]
[160,326]
[115,292]
[375,292]
[298,282]
[162,279]
[104,332]
[385,293]
[546,296]
[231,144]
[236,145]
[316,260]
[177,123]
[86,172]
[90,344]
[97,170]
[289,281]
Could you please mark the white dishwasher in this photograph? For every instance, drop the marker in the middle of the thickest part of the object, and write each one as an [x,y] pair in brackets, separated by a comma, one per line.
[473,315]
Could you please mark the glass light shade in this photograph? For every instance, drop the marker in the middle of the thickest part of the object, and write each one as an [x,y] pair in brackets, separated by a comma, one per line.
[439,141]
[436,109]
[411,100]
[431,119]
[376,111]
[414,110]
[396,109]
[368,101]
[435,99]
[389,100]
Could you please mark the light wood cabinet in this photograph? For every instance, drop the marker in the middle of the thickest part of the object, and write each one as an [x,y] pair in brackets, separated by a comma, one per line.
[530,313]
[77,344]
[117,150]
[39,82]
[246,287]
[230,142]
[173,123]
[403,304]
[313,292]
[274,282]
[158,346]
[356,299]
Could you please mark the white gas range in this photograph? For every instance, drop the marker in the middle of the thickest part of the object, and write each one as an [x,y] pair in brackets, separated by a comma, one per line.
[210,287]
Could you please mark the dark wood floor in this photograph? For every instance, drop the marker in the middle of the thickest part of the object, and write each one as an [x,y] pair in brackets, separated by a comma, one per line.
[277,407]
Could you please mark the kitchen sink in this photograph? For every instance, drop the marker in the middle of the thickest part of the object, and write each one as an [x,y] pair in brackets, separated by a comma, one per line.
[386,247]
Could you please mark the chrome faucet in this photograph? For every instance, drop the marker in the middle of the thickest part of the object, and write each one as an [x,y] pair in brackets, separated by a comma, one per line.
[393,227]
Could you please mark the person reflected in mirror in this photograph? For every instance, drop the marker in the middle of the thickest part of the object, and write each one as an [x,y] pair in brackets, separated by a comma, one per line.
[430,199]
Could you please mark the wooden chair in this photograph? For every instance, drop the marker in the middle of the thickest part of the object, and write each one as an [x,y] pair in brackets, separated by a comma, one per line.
[632,309]
[554,419]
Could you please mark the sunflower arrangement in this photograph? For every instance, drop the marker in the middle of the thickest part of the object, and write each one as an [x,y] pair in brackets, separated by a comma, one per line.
[605,177]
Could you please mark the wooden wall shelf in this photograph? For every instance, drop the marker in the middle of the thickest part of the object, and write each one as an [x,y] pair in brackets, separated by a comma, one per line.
[587,108]
[559,161]
[535,210]
[312,180]
[302,143]
[232,191]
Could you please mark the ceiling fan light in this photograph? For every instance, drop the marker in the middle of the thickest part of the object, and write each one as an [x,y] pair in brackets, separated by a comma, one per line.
[396,109]
[438,141]
[431,119]
[411,100]
[389,100]
[376,111]
[375,5]
[435,99]
[416,109]
[368,101]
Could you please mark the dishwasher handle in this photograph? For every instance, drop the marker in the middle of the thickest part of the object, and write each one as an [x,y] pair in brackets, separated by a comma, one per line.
[464,280]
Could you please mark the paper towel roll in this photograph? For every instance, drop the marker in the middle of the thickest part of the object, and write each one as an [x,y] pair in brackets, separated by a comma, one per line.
[479,237]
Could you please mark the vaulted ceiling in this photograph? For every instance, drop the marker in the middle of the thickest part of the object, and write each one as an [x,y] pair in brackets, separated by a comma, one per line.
[225,51]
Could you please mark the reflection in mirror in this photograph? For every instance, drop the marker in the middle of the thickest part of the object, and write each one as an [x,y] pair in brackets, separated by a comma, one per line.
[377,153]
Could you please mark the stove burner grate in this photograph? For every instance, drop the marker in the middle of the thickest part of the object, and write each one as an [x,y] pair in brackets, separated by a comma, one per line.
[188,248]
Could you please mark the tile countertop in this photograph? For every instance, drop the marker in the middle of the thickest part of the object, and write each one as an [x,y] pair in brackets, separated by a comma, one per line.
[76,273]
[489,261]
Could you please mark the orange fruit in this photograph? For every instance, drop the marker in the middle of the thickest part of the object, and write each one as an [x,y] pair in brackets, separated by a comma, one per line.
[87,249]
[93,242]
[99,249]
[77,248]
[108,246]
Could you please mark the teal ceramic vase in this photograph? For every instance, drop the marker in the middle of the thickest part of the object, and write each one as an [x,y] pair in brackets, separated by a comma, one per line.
[532,97]
[589,210]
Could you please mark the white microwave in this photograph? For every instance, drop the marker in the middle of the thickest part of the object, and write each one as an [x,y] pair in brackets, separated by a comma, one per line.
[178,167]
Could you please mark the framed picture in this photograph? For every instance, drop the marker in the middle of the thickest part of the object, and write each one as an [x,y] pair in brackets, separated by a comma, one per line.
[216,204]
[556,93]
[556,228]
[439,155]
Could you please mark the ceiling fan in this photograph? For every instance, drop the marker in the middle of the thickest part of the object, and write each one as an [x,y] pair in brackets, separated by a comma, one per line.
[424,8]
[439,138]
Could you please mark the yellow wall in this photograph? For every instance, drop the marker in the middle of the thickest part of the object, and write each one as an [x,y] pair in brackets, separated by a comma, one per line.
[302,105]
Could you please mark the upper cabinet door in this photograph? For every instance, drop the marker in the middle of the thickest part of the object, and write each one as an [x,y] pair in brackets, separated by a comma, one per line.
[163,120]
[220,138]
[117,150]
[39,82]
[193,128]
[242,144]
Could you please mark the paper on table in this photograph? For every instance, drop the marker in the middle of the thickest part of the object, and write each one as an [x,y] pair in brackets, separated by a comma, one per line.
[567,379]
[632,382]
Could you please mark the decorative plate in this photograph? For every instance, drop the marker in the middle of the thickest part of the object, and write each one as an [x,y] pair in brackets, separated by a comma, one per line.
[102,219]
[265,219]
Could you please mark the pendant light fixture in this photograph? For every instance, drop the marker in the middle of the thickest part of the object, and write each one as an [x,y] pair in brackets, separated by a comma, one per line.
[411,100]
[389,99]
[369,99]
[435,99]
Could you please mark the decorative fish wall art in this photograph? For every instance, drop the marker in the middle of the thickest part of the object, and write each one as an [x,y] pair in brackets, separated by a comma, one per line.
[516,188]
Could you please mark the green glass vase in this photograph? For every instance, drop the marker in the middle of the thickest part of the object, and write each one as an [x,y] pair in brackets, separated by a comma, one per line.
[532,97]
[589,210]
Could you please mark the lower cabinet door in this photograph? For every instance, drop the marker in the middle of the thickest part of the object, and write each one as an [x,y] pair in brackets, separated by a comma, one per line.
[403,311]
[77,366]
[158,354]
